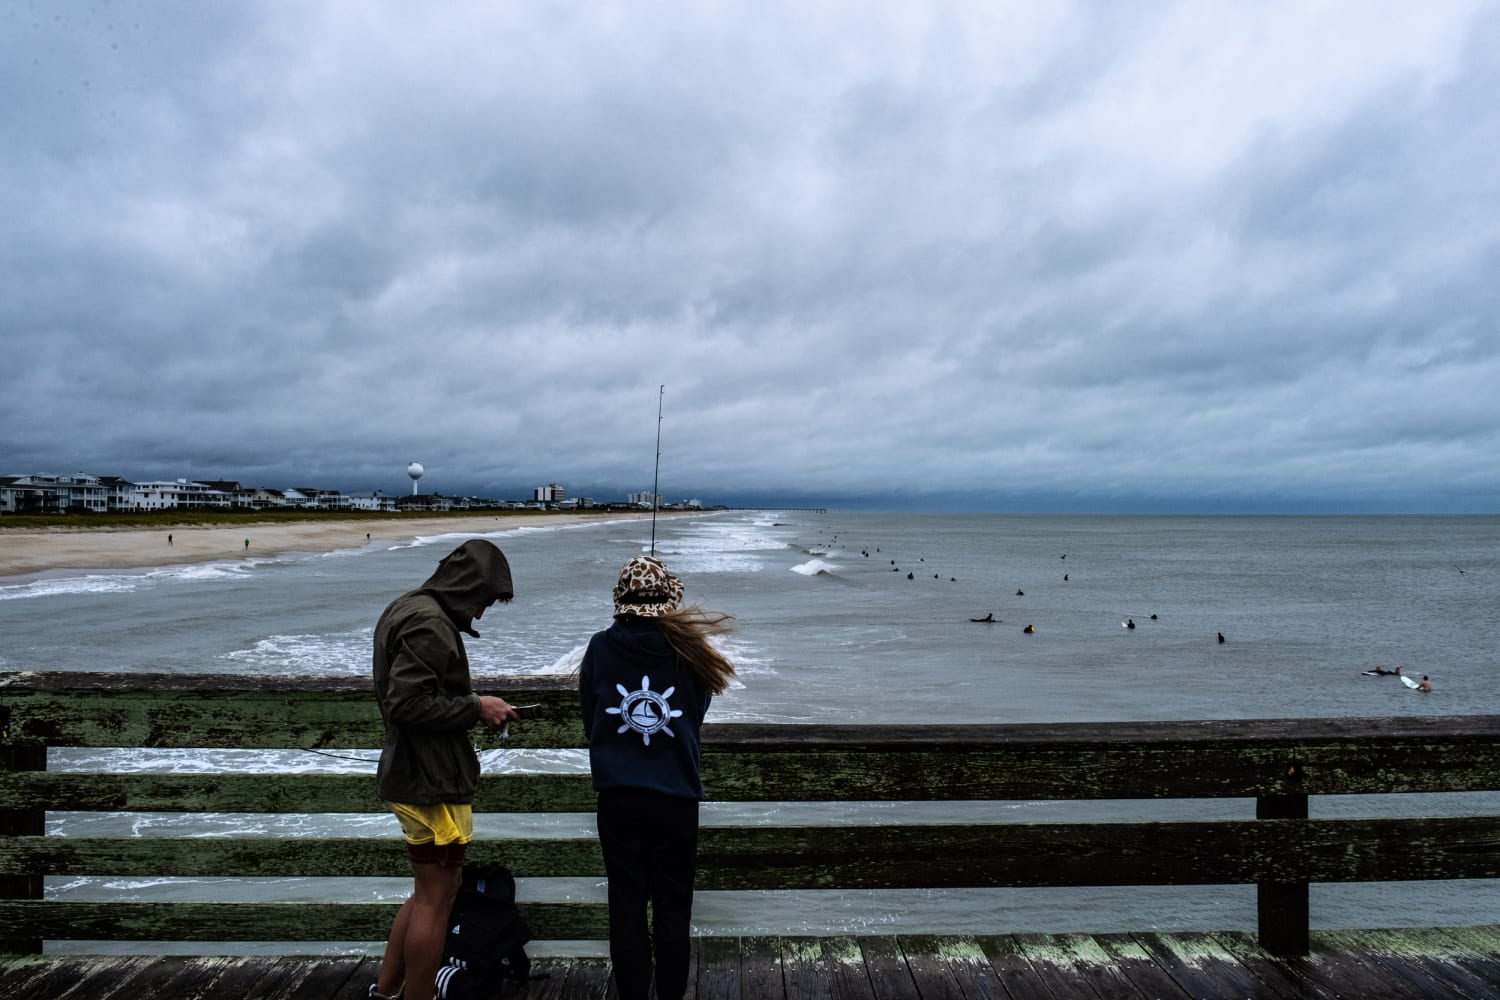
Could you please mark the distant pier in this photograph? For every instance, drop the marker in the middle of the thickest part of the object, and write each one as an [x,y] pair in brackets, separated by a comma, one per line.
[799,510]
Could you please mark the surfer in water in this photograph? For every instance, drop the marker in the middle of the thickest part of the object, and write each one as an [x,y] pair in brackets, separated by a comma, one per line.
[987,618]
[1425,686]
[1029,630]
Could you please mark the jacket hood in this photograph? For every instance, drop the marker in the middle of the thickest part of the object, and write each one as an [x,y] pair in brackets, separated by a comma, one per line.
[468,580]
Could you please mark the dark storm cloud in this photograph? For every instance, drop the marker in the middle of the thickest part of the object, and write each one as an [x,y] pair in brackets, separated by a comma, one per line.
[1186,252]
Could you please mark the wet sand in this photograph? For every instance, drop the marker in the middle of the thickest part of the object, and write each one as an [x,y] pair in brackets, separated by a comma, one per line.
[26,552]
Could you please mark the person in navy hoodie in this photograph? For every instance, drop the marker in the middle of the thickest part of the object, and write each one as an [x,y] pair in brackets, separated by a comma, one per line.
[644,686]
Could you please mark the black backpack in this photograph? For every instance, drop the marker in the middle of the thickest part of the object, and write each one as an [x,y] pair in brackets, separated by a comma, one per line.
[486,937]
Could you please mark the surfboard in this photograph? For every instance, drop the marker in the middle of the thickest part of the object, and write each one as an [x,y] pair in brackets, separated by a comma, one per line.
[1408,681]
[1370,673]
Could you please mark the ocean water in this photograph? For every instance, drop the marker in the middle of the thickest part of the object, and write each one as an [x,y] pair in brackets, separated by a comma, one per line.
[865,618]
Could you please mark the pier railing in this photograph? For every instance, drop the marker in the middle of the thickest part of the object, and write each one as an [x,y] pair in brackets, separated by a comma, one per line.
[1278,763]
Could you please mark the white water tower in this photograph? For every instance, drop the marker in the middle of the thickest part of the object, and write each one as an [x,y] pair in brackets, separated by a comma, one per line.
[414,470]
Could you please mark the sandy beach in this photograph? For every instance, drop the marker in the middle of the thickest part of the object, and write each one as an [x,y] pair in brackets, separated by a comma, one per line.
[25,552]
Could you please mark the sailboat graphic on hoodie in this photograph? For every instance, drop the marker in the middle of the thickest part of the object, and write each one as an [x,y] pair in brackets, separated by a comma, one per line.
[645,711]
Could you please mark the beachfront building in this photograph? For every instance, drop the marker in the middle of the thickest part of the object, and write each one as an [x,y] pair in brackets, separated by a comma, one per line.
[177,494]
[424,501]
[645,499]
[116,490]
[551,493]
[374,500]
[19,495]
[323,499]
[265,497]
[46,493]
[239,496]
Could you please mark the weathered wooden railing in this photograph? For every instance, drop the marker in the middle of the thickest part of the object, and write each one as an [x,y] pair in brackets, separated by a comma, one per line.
[1279,763]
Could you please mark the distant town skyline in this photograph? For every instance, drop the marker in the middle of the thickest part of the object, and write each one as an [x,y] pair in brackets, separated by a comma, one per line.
[85,492]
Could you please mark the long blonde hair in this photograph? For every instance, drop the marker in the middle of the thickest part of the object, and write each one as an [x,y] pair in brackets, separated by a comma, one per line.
[688,630]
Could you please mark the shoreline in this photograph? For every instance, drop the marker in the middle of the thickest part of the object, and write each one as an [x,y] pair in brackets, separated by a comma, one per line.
[27,553]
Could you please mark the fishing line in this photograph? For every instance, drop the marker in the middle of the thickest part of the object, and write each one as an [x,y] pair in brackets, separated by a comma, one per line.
[370,760]
[656,476]
[325,753]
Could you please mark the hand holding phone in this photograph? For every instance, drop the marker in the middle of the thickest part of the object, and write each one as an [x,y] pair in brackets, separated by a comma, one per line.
[527,711]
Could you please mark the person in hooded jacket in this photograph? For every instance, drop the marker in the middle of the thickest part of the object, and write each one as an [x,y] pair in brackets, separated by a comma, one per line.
[428,767]
[644,686]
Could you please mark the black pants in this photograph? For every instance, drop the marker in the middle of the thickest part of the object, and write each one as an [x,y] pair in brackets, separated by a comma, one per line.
[650,844]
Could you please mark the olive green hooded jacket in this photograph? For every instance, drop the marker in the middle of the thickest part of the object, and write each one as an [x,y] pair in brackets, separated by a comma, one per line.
[422,678]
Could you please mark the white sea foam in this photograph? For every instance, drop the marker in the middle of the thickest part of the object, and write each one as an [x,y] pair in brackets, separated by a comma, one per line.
[514,530]
[568,662]
[61,584]
[199,760]
[715,546]
[501,760]
[111,584]
[815,567]
[334,653]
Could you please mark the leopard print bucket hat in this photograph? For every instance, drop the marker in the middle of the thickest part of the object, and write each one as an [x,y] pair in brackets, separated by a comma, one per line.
[646,588]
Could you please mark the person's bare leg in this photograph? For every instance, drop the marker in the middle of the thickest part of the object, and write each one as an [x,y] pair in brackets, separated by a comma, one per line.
[393,965]
[427,925]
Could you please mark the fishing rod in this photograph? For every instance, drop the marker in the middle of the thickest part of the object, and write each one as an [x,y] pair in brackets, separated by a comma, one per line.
[656,476]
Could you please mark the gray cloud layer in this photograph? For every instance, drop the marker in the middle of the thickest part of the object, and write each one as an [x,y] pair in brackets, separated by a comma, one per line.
[1192,255]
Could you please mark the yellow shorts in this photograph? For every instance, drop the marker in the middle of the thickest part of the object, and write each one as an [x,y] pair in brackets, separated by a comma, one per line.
[435,834]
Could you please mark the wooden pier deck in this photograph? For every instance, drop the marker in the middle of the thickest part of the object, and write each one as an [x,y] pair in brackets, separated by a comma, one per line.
[1368,965]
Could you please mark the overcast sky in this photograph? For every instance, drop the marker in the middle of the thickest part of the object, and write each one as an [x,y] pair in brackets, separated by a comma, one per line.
[988,255]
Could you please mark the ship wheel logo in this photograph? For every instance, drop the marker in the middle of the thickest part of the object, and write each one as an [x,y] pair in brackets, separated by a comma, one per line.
[645,711]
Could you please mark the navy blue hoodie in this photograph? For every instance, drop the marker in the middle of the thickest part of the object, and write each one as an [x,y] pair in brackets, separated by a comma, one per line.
[642,711]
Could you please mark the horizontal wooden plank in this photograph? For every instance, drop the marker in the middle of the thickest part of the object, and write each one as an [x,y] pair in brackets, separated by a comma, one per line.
[282,857]
[70,921]
[865,857]
[1351,729]
[813,774]
[72,683]
[146,791]
[56,701]
[1156,768]
[1082,854]
[264,717]
[823,773]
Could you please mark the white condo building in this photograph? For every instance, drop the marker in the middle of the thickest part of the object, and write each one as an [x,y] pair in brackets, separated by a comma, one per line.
[177,493]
